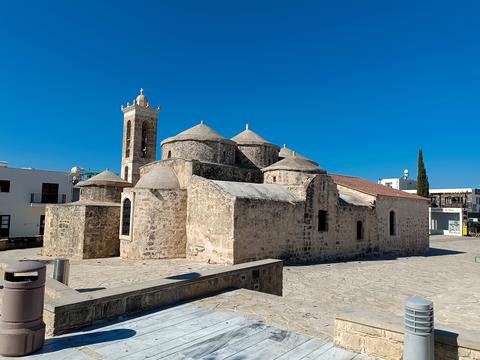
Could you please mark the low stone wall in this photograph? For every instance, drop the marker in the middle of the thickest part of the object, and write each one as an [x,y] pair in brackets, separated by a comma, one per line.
[386,341]
[20,243]
[66,310]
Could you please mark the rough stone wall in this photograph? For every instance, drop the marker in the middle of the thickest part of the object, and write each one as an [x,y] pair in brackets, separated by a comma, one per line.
[349,246]
[159,225]
[185,169]
[227,173]
[209,151]
[287,178]
[266,229]
[210,223]
[257,155]
[81,231]
[101,231]
[387,343]
[101,193]
[64,230]
[411,235]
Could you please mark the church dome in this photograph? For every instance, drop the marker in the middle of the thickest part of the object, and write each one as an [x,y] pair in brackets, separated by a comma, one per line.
[249,137]
[296,163]
[142,100]
[105,178]
[285,152]
[200,132]
[161,178]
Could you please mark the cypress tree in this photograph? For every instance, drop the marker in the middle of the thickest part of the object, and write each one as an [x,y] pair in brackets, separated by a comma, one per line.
[422,178]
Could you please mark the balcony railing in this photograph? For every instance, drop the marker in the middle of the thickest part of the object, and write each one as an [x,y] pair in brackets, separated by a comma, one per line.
[47,198]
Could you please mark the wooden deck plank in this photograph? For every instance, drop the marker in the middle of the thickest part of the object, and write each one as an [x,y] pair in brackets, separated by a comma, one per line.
[180,342]
[160,337]
[217,342]
[319,352]
[267,349]
[303,350]
[276,344]
[238,346]
[332,354]
[191,332]
[151,317]
[103,338]
[213,341]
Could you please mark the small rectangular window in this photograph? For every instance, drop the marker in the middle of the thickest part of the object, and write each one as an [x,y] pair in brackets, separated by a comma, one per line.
[4,185]
[322,220]
[359,230]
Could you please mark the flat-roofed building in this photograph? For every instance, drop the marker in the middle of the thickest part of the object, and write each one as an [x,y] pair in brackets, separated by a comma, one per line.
[24,192]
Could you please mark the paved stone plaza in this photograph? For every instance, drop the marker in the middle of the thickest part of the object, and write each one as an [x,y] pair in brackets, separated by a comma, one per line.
[314,294]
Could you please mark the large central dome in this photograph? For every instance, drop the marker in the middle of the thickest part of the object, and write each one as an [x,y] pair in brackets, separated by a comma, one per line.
[200,143]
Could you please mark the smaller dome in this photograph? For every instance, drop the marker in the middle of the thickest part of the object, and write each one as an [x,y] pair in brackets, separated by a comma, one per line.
[200,132]
[295,163]
[249,137]
[106,178]
[161,178]
[285,152]
[142,100]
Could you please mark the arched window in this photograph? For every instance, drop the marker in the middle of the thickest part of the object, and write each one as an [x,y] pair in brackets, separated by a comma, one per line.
[144,139]
[127,207]
[169,155]
[127,139]
[359,230]
[392,223]
[125,173]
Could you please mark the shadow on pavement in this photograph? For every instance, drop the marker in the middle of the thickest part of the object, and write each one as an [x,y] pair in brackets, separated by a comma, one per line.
[188,276]
[85,339]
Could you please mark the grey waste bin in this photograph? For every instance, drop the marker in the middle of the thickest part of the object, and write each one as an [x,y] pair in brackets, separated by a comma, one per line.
[418,341]
[22,330]
[61,270]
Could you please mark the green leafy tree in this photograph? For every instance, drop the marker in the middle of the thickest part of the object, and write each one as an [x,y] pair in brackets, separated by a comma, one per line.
[422,178]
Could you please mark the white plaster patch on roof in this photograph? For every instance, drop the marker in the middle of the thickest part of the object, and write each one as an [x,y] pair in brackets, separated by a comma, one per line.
[161,178]
[354,200]
[256,191]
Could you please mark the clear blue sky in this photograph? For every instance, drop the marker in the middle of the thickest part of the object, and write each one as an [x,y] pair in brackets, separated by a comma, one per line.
[358,86]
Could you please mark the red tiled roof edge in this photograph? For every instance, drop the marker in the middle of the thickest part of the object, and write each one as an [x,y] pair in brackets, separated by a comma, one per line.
[371,188]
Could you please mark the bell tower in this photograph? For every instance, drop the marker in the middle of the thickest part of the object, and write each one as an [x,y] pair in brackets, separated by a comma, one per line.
[139,137]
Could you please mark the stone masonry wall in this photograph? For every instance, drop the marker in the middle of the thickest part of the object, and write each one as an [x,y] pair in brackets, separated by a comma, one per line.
[159,225]
[101,231]
[64,230]
[387,343]
[209,151]
[185,169]
[411,235]
[266,229]
[101,193]
[257,155]
[210,223]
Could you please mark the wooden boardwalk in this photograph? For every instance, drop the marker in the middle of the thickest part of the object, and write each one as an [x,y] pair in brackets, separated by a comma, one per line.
[189,331]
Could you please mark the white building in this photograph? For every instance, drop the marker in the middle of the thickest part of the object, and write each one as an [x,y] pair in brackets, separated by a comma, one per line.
[452,209]
[400,183]
[23,196]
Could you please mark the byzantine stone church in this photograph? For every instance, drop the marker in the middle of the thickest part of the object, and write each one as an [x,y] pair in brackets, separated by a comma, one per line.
[229,201]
